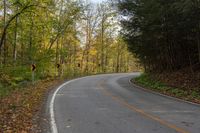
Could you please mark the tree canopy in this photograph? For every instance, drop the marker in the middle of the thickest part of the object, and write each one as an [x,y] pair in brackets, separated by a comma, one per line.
[164,34]
[60,38]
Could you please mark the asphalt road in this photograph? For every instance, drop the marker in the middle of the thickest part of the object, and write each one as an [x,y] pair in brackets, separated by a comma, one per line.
[111,104]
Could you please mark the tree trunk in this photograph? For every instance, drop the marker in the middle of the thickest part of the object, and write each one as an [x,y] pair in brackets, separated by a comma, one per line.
[57,58]
[198,44]
[15,39]
[102,44]
[74,60]
[31,40]
[118,56]
[5,37]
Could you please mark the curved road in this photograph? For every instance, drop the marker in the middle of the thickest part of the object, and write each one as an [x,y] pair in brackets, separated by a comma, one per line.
[111,104]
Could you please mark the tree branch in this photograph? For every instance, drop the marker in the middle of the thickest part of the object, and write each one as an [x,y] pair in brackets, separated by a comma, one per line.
[9,22]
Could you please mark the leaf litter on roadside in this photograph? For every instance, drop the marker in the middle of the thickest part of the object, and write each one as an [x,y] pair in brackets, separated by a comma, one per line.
[18,109]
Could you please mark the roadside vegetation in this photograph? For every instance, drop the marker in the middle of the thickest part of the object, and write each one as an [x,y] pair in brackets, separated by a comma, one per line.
[149,82]
[165,36]
[20,110]
[62,40]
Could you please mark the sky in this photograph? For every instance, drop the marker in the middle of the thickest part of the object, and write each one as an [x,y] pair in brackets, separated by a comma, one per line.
[97,1]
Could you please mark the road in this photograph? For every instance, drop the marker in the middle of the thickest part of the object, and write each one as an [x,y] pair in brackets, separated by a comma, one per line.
[111,104]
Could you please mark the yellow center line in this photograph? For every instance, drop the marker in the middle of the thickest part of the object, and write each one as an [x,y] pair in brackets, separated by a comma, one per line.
[135,109]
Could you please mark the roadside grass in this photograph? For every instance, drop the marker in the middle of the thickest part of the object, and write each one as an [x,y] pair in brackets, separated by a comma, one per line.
[146,81]
[17,78]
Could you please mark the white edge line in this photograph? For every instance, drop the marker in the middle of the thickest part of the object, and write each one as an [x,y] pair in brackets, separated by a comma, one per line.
[54,128]
[52,117]
[51,107]
[157,93]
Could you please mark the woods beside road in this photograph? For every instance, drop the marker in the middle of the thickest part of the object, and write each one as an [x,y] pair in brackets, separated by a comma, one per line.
[164,35]
[61,39]
[44,42]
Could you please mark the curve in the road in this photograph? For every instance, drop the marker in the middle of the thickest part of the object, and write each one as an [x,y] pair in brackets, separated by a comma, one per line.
[54,128]
[110,104]
[135,109]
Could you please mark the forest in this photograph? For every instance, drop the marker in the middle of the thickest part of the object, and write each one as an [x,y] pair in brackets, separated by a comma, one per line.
[44,39]
[165,36]
[60,39]
[44,43]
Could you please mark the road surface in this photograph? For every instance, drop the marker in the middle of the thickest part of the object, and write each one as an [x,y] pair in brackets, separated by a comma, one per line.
[111,104]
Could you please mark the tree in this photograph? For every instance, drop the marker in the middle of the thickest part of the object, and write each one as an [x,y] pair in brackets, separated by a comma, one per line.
[78,37]
[164,35]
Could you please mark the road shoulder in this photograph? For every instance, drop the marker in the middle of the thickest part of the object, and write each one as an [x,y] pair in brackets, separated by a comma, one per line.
[165,93]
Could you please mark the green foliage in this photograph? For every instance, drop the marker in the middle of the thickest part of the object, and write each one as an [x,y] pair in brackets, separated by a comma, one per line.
[147,81]
[164,34]
[79,37]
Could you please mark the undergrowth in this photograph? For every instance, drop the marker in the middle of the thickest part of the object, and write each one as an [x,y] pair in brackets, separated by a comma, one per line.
[147,81]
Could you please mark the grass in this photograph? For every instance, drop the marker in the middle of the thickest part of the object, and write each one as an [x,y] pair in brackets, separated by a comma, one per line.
[146,81]
[18,77]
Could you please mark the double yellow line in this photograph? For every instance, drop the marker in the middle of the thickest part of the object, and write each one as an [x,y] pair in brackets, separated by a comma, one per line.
[135,109]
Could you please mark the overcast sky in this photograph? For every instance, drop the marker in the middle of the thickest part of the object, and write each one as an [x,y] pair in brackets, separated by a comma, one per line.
[97,1]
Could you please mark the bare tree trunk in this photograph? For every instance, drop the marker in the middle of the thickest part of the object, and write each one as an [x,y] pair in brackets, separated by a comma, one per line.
[5,36]
[87,46]
[102,45]
[15,40]
[191,66]
[118,55]
[106,62]
[198,43]
[57,58]
[74,60]
[127,63]
[61,57]
[22,46]
[31,40]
